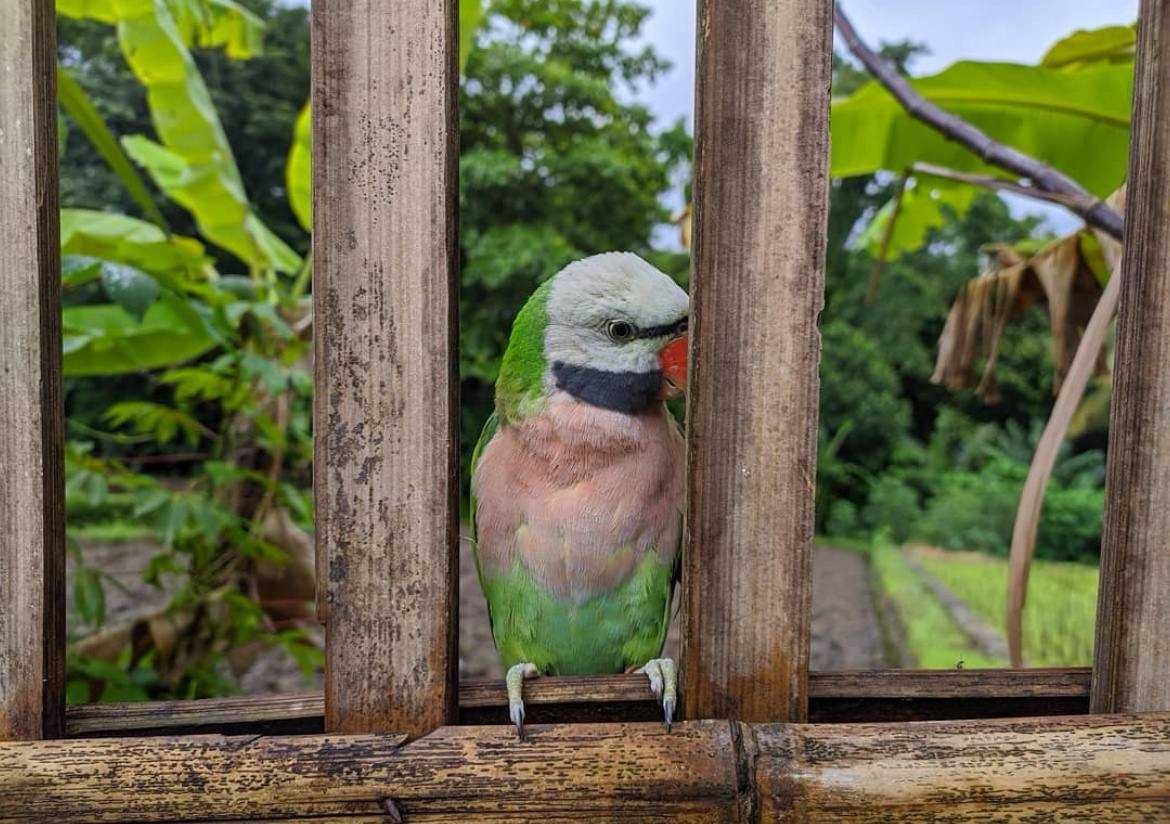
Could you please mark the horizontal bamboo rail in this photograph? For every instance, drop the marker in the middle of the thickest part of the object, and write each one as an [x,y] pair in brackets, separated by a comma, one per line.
[1085,767]
[880,695]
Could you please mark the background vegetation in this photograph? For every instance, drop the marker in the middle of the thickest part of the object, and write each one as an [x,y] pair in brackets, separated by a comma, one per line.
[186,234]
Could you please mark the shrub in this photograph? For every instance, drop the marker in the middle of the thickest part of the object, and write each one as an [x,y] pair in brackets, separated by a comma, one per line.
[893,506]
[843,521]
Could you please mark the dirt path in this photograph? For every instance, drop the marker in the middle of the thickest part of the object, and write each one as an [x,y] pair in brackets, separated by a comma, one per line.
[845,632]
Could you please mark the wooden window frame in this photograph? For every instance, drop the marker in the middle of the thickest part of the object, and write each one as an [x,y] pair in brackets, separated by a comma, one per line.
[385,138]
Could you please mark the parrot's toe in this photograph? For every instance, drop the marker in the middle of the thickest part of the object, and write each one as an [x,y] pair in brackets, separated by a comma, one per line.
[516,711]
[514,681]
[663,675]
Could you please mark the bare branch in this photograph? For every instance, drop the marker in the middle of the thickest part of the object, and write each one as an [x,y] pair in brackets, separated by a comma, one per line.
[1043,177]
[998,184]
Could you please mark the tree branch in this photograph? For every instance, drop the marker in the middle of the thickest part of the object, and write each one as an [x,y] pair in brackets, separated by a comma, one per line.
[1043,177]
[999,184]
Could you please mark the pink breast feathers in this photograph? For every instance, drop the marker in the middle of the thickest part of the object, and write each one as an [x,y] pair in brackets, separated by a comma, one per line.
[579,495]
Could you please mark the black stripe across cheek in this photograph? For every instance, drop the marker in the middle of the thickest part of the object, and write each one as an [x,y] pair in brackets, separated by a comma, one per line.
[627,392]
[666,329]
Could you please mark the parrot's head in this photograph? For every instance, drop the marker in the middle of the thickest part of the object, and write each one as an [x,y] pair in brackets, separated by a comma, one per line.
[610,330]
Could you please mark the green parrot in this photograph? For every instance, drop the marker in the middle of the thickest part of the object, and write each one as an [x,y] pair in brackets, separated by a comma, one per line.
[577,479]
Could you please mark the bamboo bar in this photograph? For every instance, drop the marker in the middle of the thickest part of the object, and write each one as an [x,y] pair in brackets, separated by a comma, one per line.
[386,479]
[32,494]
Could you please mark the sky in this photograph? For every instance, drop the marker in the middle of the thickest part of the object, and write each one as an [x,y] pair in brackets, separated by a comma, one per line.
[1017,31]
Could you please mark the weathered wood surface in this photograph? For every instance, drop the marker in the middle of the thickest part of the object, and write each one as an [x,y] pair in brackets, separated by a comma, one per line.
[386,480]
[1117,767]
[638,772]
[834,696]
[1132,667]
[1105,768]
[32,516]
[761,176]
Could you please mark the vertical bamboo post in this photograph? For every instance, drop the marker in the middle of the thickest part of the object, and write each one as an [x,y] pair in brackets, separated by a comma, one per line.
[761,178]
[32,514]
[386,471]
[1131,671]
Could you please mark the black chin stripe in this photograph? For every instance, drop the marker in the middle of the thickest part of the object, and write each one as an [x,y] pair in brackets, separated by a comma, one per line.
[627,392]
[665,330]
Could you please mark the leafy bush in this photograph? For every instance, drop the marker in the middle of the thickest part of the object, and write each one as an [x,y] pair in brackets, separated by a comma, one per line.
[860,388]
[976,510]
[892,506]
[843,521]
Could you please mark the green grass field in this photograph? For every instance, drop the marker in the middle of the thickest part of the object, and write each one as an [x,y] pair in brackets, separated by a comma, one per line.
[1060,611]
[930,635]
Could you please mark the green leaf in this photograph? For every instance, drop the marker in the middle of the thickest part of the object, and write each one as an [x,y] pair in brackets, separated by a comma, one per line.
[89,597]
[1075,120]
[1111,44]
[103,11]
[926,205]
[130,241]
[129,288]
[163,423]
[78,270]
[196,383]
[77,104]
[470,16]
[107,340]
[194,164]
[233,28]
[298,172]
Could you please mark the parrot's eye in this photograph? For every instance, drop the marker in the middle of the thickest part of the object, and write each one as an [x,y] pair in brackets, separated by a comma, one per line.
[620,331]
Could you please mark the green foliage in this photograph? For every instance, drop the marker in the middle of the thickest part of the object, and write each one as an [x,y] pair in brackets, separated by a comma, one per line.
[192,161]
[299,170]
[903,223]
[1074,119]
[1110,44]
[930,635]
[859,387]
[82,111]
[973,505]
[892,508]
[1062,602]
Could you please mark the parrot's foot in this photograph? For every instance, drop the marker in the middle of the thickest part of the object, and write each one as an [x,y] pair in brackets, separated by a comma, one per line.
[515,683]
[663,675]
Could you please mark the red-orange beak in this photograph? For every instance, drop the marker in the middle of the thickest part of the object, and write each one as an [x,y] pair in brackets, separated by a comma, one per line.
[673,360]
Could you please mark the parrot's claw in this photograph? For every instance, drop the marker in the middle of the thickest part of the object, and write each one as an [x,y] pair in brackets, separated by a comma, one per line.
[514,681]
[663,675]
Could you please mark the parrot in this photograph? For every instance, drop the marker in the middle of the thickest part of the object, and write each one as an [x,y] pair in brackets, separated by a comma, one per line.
[577,479]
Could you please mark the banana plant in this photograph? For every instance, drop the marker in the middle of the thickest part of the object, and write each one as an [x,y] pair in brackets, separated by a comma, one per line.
[191,161]
[1070,111]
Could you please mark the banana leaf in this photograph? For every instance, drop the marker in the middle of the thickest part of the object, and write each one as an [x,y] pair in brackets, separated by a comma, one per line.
[298,172]
[81,109]
[132,242]
[1076,120]
[926,205]
[193,163]
[107,340]
[1111,44]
